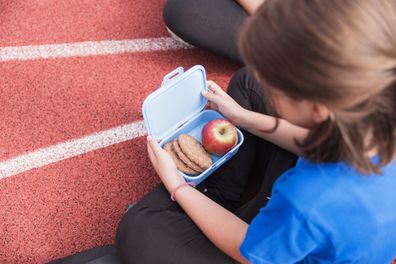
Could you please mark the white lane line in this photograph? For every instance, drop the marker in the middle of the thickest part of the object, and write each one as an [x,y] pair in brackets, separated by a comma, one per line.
[89,48]
[71,148]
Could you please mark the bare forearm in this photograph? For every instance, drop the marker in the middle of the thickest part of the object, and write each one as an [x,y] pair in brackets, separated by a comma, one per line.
[223,228]
[284,136]
[250,5]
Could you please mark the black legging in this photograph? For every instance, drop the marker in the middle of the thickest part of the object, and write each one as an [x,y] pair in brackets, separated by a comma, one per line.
[207,24]
[157,230]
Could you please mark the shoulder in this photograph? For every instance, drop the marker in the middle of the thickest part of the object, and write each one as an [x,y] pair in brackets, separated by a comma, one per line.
[308,183]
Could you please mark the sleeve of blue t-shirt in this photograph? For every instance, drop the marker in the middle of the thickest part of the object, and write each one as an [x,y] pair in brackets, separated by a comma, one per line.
[280,234]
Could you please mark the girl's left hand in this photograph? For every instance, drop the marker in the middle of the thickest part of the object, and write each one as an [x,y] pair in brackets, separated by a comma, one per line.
[164,165]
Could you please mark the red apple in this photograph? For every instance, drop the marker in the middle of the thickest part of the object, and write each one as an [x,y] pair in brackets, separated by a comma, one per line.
[219,136]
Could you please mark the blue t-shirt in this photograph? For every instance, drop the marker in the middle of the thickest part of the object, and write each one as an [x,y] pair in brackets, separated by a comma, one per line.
[326,213]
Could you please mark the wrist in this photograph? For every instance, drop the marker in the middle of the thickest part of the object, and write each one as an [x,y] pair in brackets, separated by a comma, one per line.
[181,186]
[242,120]
[171,181]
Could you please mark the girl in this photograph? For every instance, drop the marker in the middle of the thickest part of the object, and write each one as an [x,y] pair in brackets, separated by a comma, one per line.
[328,70]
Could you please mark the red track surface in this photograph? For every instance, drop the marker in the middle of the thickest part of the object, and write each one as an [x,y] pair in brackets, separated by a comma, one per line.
[47,21]
[75,204]
[71,205]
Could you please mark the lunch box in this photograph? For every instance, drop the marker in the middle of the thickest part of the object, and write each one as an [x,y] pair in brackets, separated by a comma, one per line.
[178,107]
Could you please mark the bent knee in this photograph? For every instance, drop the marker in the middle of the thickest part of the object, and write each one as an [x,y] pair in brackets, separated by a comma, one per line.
[172,13]
[182,17]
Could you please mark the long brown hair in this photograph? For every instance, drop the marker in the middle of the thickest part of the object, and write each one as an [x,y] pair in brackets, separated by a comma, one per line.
[341,53]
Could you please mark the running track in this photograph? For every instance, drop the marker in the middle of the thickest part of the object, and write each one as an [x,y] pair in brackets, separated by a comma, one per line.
[73,76]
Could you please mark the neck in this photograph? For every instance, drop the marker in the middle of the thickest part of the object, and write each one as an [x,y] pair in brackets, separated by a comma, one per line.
[374,151]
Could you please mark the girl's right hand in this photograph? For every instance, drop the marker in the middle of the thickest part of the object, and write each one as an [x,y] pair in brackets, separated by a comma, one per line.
[220,101]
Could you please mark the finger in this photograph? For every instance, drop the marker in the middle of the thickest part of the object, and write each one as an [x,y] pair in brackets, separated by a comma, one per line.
[215,88]
[214,98]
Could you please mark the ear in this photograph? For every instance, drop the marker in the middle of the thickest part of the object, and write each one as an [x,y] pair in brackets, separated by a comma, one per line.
[320,113]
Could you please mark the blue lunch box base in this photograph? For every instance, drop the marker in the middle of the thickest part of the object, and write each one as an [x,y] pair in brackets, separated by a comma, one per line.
[194,128]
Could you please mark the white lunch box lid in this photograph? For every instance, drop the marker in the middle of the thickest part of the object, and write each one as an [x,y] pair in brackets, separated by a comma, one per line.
[177,100]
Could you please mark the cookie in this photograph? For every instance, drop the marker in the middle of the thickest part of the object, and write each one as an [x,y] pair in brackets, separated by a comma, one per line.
[181,166]
[184,158]
[194,151]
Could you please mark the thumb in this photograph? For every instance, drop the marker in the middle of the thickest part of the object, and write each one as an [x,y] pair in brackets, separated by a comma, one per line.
[154,146]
